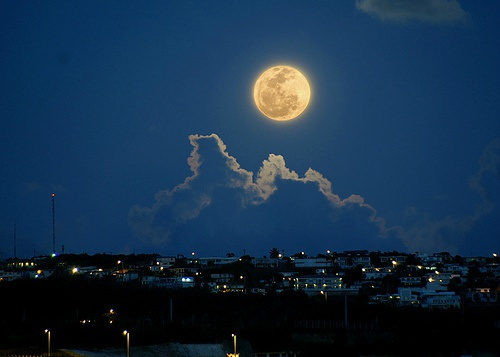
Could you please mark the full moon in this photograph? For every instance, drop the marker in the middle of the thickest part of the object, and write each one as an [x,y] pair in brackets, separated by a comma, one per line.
[281,93]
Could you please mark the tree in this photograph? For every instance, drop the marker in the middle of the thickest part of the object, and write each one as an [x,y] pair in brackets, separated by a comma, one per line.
[353,275]
[412,259]
[375,259]
[274,253]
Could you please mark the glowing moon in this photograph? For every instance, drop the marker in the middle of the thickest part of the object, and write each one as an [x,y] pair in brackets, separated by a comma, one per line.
[281,93]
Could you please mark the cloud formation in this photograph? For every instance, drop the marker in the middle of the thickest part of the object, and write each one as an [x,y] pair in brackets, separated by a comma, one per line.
[214,170]
[449,233]
[223,204]
[432,11]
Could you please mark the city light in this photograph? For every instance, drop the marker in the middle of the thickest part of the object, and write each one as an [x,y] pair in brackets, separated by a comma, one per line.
[47,331]
[234,343]
[428,289]
[127,334]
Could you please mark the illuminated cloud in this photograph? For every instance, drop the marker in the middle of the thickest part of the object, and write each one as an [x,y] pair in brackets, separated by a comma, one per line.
[433,11]
[215,171]
[223,204]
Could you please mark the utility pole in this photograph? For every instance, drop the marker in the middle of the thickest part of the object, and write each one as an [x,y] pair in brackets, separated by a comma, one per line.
[345,310]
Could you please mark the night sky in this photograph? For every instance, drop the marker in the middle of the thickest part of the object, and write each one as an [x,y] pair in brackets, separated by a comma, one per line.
[139,116]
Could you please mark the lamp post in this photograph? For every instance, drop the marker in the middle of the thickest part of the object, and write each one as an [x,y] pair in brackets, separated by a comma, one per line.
[234,343]
[47,331]
[127,334]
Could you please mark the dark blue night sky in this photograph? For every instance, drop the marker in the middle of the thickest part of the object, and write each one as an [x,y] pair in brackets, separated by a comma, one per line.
[139,116]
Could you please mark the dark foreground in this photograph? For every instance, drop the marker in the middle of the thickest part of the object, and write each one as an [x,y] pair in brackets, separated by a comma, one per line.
[89,314]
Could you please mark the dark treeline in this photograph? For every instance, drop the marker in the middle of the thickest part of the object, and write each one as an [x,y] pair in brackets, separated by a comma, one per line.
[92,313]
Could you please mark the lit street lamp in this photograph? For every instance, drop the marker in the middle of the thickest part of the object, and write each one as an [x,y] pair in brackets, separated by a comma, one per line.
[47,331]
[234,342]
[126,333]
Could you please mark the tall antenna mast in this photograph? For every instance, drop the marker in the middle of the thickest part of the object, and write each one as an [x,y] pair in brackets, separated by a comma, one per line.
[53,225]
[15,240]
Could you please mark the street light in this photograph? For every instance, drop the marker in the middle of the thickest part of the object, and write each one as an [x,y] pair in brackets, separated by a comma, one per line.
[126,333]
[234,342]
[47,331]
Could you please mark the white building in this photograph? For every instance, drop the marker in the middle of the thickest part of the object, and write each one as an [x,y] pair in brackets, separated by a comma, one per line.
[441,278]
[221,278]
[350,259]
[411,280]
[302,263]
[11,275]
[266,262]
[165,262]
[315,284]
[376,273]
[169,283]
[216,261]
[409,296]
[439,300]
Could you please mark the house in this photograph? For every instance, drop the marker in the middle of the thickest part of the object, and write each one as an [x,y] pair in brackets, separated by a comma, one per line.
[433,259]
[439,300]
[216,261]
[482,296]
[184,271]
[318,263]
[126,276]
[265,262]
[393,258]
[168,283]
[409,295]
[315,284]
[352,258]
[376,273]
[231,288]
[411,280]
[455,269]
[11,275]
[166,262]
[221,278]
[441,278]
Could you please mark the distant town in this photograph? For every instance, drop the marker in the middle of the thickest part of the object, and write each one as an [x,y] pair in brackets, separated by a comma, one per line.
[433,281]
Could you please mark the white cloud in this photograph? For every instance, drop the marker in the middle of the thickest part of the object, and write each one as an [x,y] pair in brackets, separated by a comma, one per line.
[214,171]
[221,200]
[433,11]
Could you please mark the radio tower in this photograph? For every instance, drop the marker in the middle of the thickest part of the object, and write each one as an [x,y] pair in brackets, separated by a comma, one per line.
[53,225]
[15,240]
